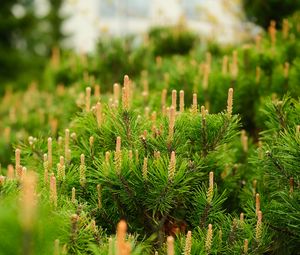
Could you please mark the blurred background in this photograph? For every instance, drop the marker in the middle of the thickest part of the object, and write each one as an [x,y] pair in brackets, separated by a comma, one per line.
[31,29]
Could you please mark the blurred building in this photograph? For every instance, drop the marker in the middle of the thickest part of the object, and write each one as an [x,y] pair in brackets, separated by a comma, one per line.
[219,20]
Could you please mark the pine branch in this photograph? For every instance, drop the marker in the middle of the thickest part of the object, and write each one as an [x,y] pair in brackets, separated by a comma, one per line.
[204,216]
[277,164]
[204,137]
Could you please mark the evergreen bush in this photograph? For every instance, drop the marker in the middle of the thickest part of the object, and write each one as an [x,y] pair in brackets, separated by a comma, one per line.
[196,154]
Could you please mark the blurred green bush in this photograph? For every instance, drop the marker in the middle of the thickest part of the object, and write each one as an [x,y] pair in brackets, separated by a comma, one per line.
[262,12]
[172,40]
[26,41]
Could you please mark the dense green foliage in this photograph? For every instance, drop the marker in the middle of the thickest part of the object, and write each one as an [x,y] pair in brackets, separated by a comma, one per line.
[172,40]
[17,42]
[278,167]
[197,152]
[26,41]
[261,12]
[259,69]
